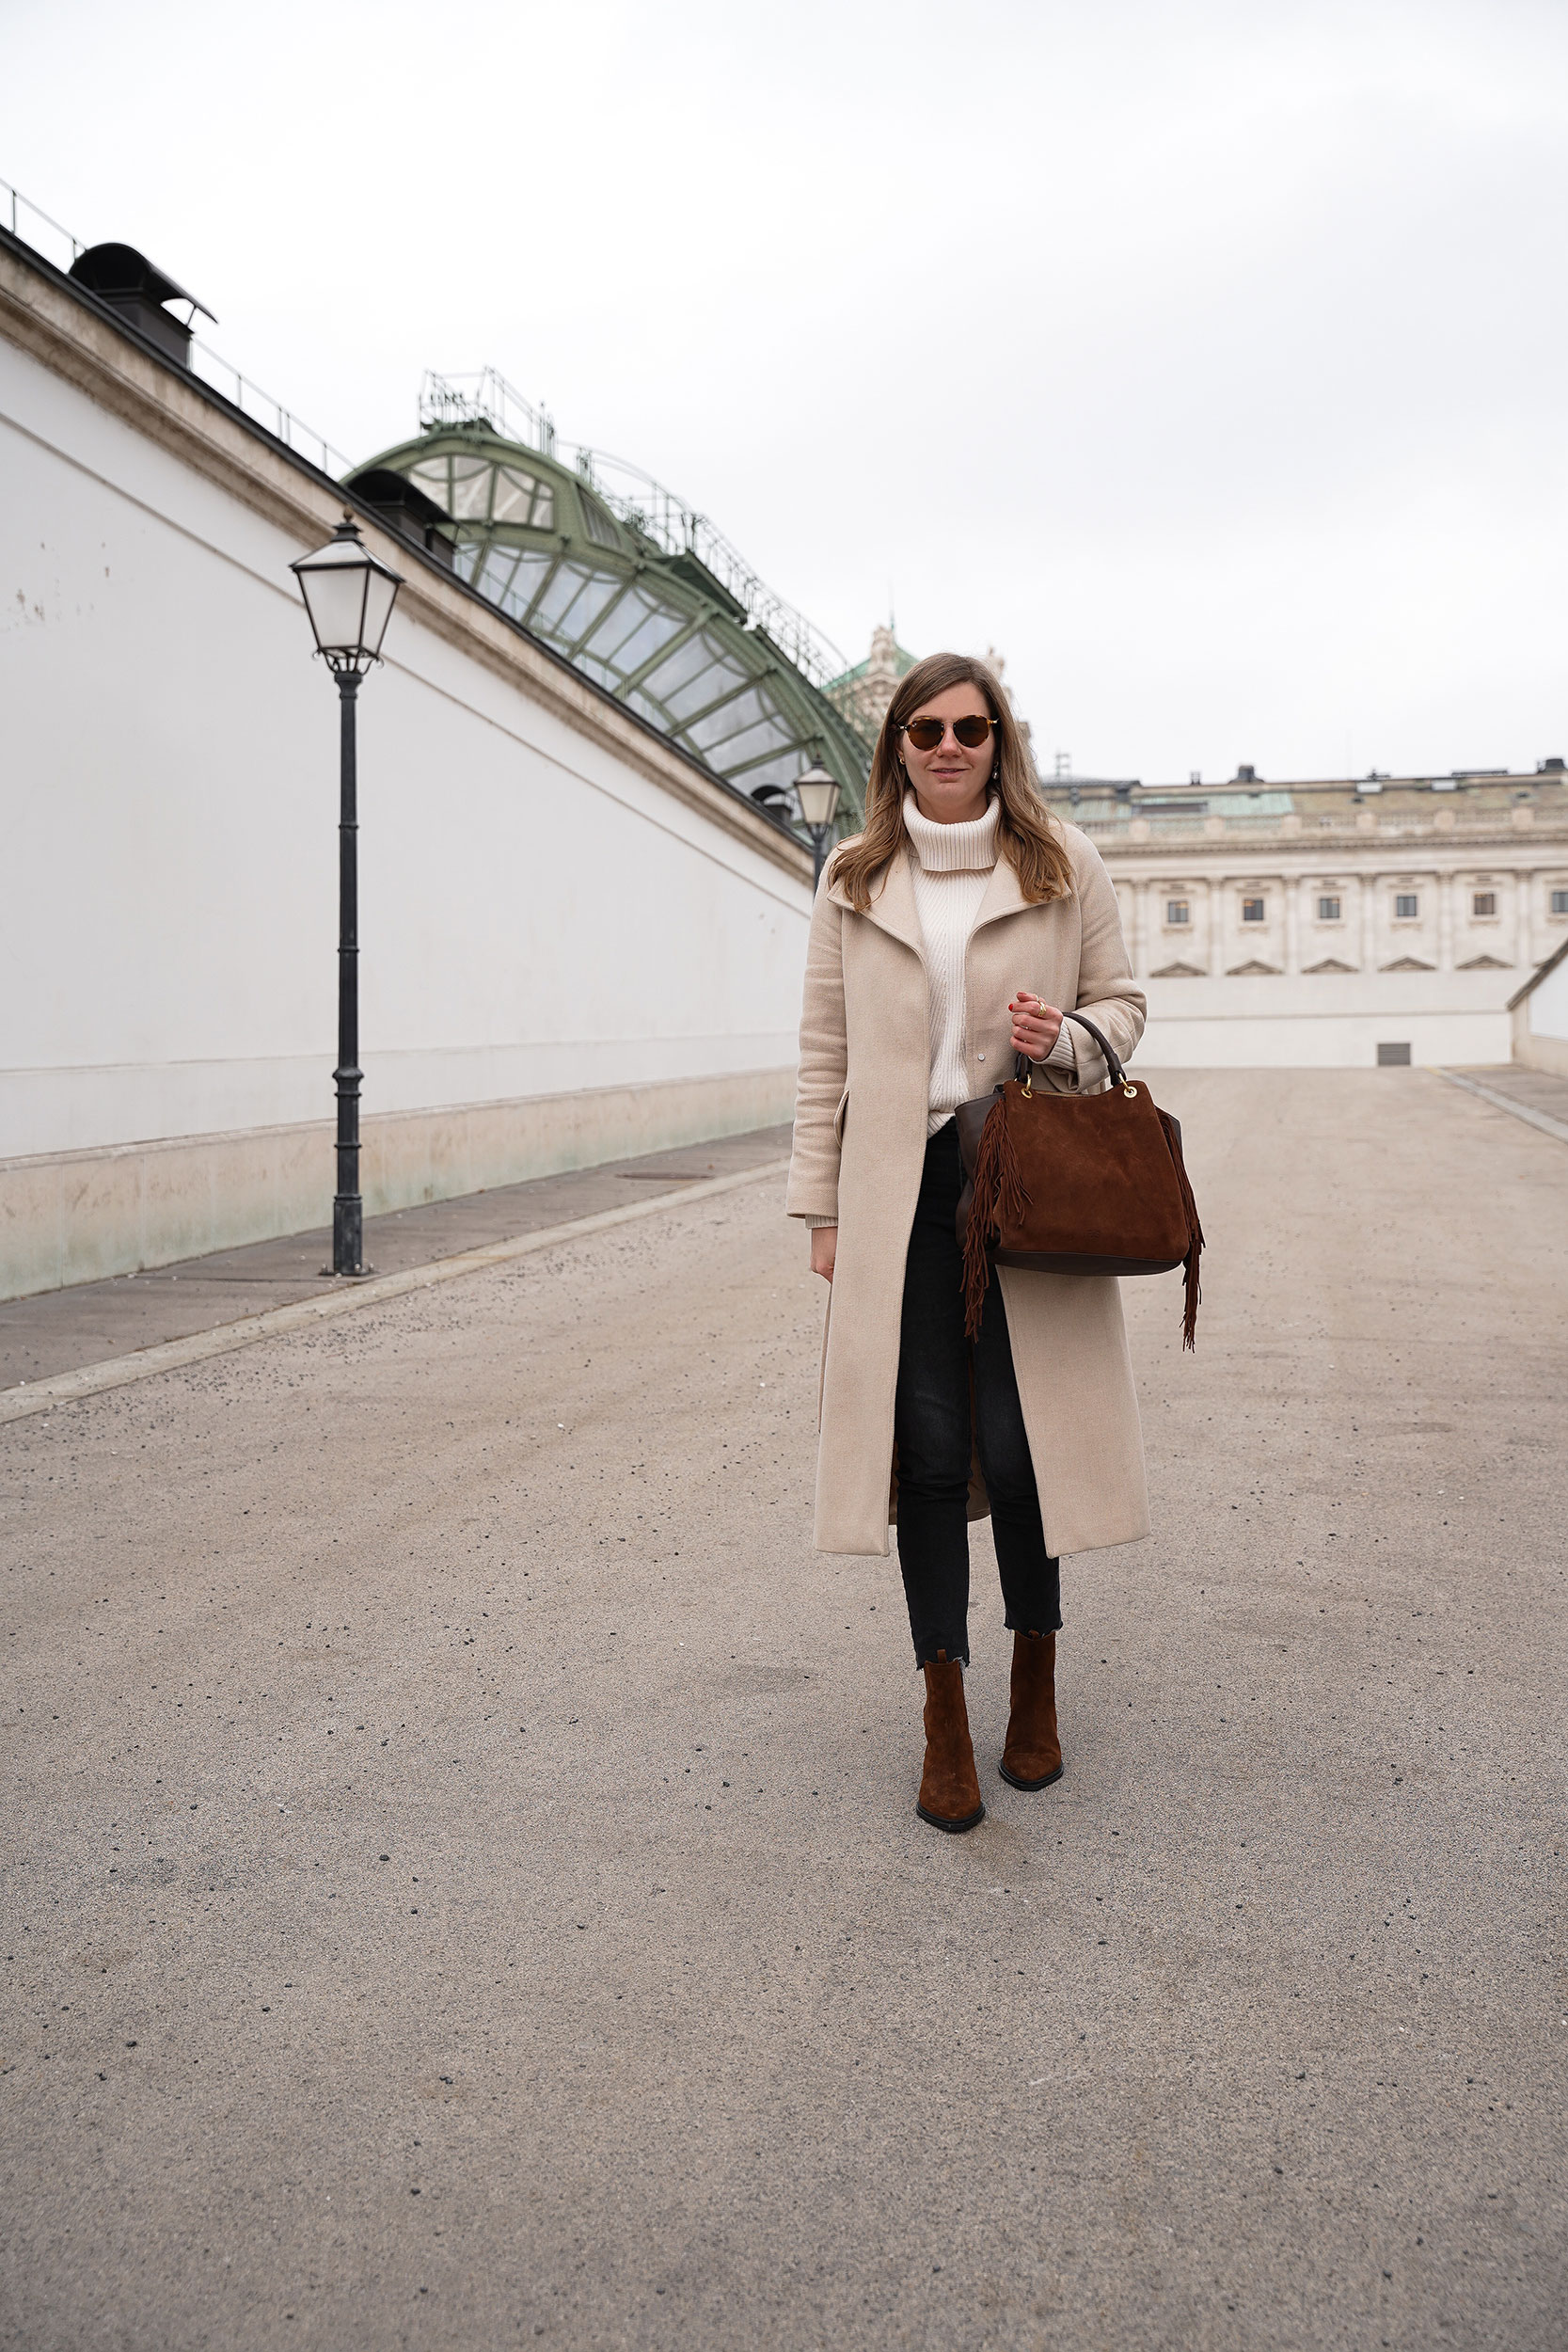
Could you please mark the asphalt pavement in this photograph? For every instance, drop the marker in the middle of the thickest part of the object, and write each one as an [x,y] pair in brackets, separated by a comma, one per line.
[463,1884]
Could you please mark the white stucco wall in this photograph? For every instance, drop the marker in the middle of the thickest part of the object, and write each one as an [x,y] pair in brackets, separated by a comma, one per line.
[1541,1024]
[535,914]
[1546,1006]
[569,936]
[1325,1020]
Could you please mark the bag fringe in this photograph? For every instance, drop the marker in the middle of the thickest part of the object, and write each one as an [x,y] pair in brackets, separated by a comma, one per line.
[1194,1251]
[998,1198]
[1194,1294]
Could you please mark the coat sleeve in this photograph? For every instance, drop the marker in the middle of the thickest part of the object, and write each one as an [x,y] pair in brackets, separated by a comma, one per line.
[812,1190]
[1106,990]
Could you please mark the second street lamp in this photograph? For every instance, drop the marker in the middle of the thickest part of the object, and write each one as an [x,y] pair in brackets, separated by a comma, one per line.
[818,794]
[349,594]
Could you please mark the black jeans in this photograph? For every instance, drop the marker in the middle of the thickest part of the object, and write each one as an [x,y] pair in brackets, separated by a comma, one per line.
[935,1424]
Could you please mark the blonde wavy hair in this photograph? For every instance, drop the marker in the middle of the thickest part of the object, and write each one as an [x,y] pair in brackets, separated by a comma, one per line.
[1027,836]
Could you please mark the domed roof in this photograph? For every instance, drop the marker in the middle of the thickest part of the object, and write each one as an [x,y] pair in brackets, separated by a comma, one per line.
[650,620]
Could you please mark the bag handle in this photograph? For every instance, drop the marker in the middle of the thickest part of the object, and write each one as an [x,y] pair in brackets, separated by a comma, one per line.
[1023,1067]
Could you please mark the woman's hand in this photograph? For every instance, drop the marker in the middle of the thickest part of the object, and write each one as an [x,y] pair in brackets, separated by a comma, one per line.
[824,1249]
[1036,1025]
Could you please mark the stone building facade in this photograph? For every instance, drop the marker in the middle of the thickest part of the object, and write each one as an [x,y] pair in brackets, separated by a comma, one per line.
[864,693]
[1339,922]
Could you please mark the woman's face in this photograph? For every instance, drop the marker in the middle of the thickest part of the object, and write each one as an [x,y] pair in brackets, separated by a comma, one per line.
[950,779]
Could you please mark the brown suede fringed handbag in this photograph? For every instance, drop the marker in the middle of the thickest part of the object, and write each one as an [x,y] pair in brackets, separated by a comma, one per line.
[1074,1184]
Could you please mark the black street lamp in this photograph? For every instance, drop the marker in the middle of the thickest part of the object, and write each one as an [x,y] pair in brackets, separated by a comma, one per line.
[817,793]
[349,594]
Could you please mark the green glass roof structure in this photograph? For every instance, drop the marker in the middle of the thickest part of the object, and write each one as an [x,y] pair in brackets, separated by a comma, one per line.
[634,589]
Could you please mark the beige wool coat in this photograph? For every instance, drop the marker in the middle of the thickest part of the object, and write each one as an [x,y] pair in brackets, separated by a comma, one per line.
[859,1145]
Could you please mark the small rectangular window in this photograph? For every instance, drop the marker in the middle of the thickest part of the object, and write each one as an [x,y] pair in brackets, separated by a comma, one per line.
[1178,911]
[1252,910]
[1484,902]
[1328,910]
[1560,902]
[1407,906]
[1393,1056]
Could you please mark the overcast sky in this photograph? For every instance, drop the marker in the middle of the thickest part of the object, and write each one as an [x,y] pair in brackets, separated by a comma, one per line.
[1206,357]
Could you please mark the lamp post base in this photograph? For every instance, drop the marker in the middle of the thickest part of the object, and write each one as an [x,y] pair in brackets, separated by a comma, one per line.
[348,1235]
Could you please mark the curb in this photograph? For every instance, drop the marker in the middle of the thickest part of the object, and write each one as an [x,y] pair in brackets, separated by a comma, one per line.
[116,1372]
[1543,1120]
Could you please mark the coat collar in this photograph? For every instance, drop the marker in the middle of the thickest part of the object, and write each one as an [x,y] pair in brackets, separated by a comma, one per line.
[1002,894]
[893,910]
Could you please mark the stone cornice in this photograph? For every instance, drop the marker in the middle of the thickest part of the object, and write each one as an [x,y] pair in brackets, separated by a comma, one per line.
[69,331]
[1539,846]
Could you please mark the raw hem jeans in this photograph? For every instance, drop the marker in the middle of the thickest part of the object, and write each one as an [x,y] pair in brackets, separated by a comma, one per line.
[952,1396]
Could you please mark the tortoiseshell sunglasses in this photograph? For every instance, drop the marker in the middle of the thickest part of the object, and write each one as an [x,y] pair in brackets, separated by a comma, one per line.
[926,734]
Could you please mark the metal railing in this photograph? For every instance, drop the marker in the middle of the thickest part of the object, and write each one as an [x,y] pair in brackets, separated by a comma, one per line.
[247,396]
[32,226]
[54,238]
[647,505]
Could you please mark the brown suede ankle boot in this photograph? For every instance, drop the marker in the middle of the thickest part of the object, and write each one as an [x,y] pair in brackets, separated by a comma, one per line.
[949,1786]
[1031,1756]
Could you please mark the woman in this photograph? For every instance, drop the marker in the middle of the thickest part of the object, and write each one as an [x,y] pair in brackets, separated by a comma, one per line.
[947,938]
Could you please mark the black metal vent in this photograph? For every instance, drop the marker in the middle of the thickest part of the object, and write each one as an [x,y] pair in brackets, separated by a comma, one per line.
[405,505]
[126,279]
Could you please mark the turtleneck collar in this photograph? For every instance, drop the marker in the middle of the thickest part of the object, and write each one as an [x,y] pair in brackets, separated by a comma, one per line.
[965,849]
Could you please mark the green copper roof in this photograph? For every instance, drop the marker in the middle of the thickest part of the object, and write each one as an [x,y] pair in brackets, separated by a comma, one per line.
[658,627]
[903,662]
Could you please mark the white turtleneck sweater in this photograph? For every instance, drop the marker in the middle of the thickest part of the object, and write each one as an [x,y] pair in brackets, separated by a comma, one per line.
[951,867]
[952,864]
